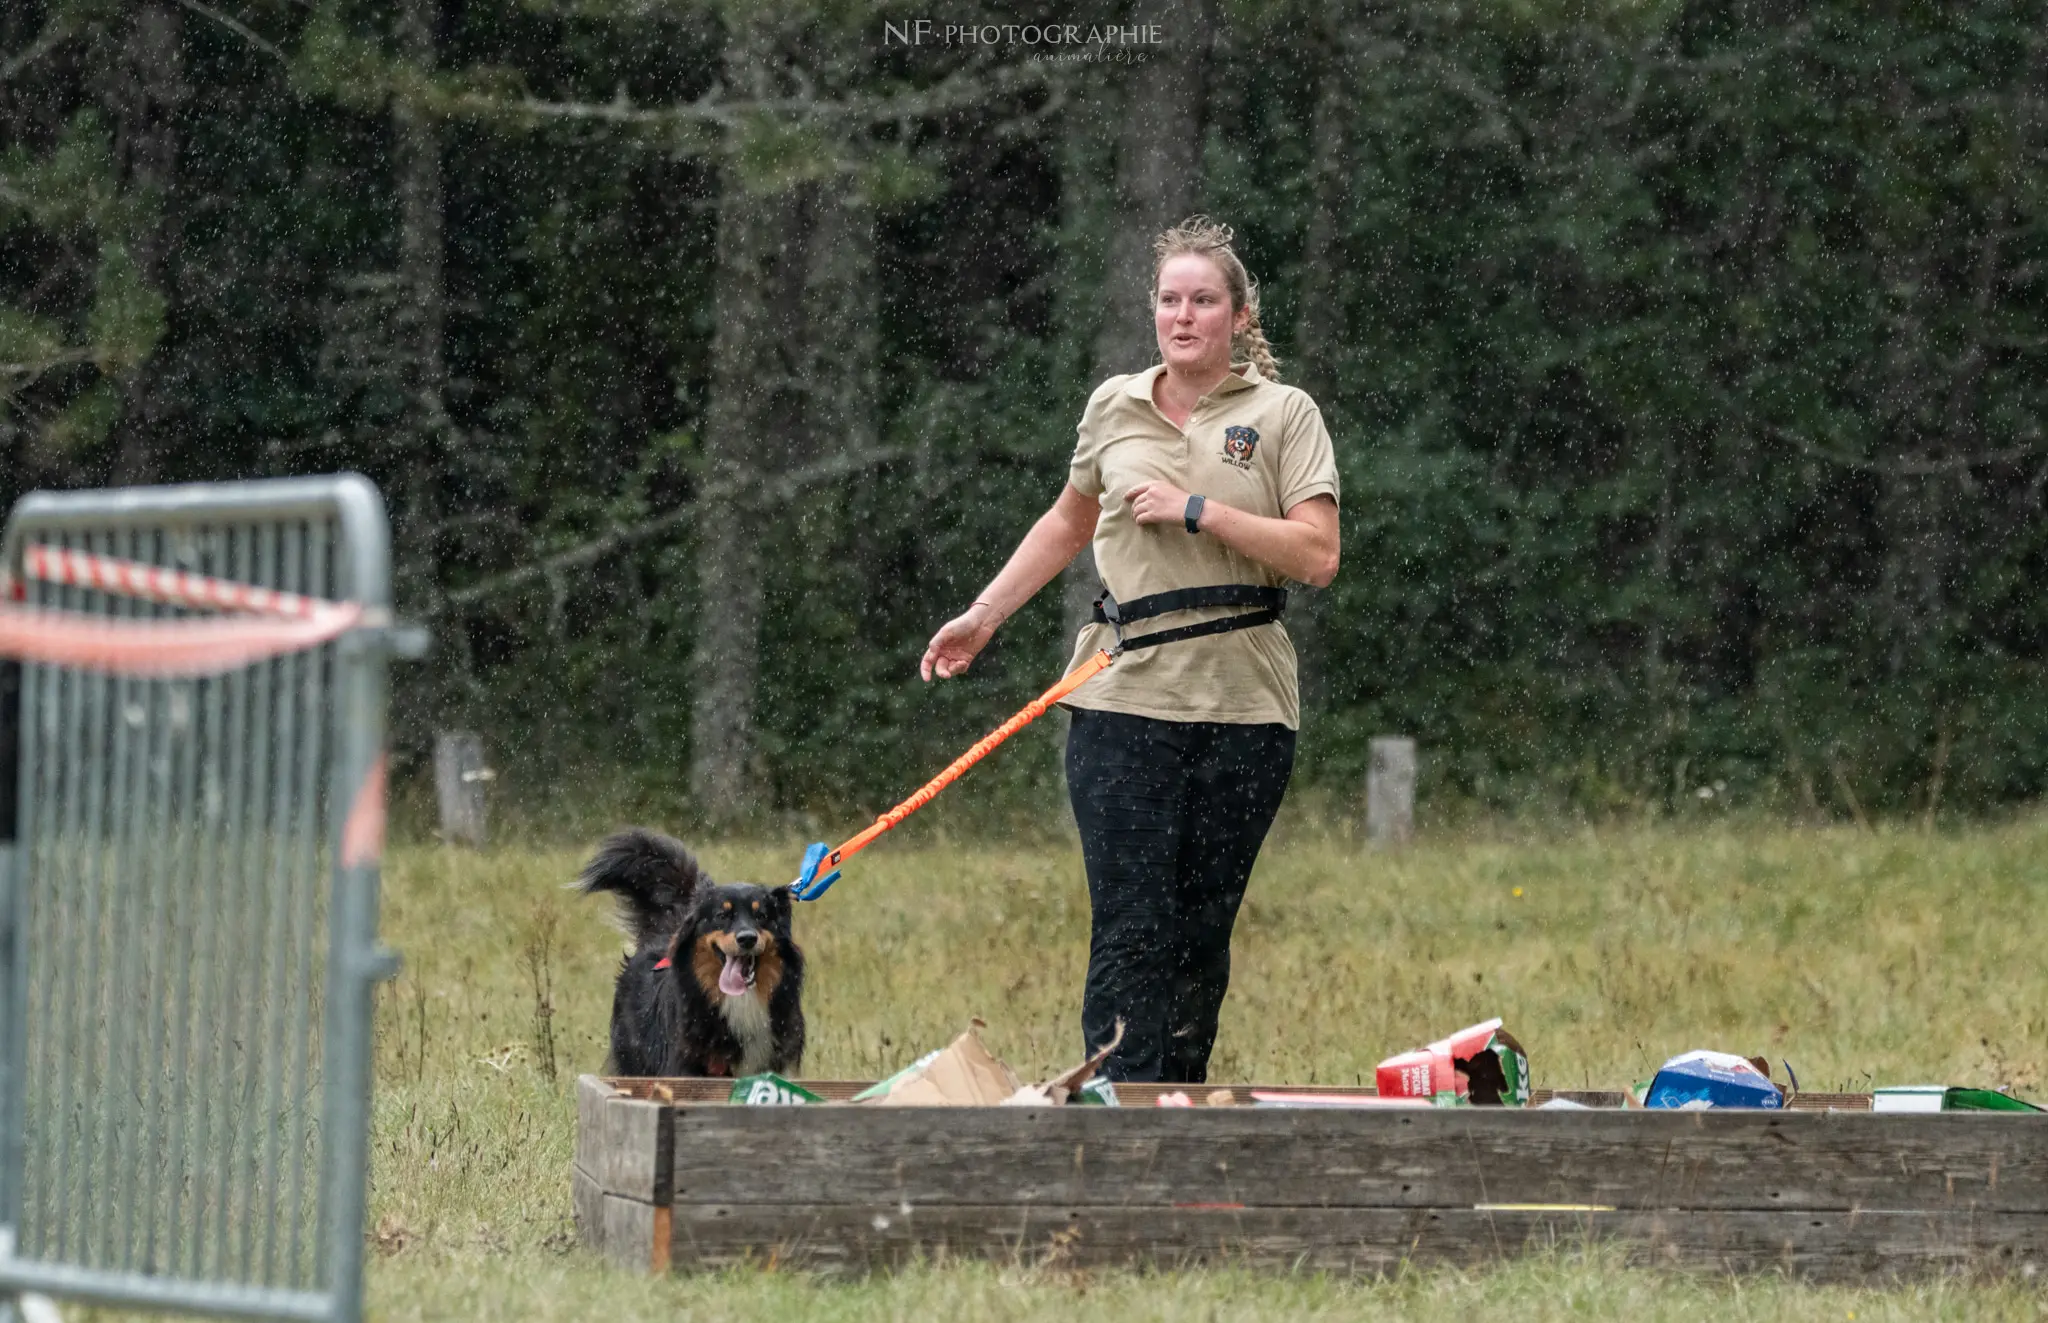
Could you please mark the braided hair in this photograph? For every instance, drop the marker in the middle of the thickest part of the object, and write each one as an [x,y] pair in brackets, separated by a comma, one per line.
[1212,239]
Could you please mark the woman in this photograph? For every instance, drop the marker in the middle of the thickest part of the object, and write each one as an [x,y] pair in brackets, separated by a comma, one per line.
[1202,472]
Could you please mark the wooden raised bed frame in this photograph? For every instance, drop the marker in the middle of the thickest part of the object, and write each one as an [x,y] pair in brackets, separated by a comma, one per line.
[1824,1194]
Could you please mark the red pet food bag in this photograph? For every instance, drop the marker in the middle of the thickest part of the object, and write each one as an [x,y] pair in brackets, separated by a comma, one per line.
[1482,1066]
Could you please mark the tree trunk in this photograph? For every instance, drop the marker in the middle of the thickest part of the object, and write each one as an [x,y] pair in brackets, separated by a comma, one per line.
[1158,182]
[726,659]
[795,265]
[146,94]
[1319,330]
[422,303]
[842,366]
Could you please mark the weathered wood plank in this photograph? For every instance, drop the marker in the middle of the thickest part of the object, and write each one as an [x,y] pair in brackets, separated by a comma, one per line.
[591,1138]
[629,1234]
[1858,1247]
[586,1197]
[1123,1157]
[637,1146]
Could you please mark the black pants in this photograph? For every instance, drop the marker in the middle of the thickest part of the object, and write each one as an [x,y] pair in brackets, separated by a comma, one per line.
[1172,814]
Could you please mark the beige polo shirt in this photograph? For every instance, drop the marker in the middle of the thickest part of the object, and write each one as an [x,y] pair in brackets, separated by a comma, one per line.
[1253,444]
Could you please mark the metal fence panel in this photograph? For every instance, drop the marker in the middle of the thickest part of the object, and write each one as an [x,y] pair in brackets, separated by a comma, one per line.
[188,922]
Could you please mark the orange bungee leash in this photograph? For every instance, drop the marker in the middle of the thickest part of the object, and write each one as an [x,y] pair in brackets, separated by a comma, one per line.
[1267,603]
[809,885]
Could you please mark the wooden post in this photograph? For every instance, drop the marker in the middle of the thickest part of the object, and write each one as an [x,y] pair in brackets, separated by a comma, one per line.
[459,780]
[1390,791]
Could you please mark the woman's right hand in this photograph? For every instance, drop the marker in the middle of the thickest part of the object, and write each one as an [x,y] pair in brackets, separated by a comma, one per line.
[958,640]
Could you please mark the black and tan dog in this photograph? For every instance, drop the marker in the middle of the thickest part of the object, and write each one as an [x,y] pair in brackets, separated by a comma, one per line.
[714,985]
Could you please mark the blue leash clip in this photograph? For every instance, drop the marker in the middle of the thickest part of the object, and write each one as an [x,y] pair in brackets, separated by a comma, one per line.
[808,885]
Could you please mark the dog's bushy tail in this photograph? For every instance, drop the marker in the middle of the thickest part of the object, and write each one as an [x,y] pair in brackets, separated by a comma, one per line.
[653,876]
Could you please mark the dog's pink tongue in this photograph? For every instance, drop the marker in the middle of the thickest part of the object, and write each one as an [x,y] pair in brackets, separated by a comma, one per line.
[732,980]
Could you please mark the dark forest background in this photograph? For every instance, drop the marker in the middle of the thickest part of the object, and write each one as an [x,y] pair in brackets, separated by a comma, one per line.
[1686,361]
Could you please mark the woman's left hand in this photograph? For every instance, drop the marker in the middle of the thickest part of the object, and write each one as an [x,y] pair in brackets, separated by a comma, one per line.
[1157,503]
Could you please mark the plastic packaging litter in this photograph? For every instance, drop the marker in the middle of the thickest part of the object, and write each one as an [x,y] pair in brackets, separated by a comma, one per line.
[1482,1065]
[770,1091]
[1703,1079]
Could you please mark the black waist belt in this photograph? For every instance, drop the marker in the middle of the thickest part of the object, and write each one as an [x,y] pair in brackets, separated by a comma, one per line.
[1269,601]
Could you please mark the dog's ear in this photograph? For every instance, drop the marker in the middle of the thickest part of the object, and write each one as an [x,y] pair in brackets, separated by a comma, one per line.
[781,903]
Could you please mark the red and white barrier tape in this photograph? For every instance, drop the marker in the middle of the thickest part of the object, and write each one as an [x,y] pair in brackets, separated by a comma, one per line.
[157,583]
[273,623]
[160,649]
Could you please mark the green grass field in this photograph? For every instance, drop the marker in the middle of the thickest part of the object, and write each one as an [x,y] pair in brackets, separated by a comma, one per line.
[1887,957]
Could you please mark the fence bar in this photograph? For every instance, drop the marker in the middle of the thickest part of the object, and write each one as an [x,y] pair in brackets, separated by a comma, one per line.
[304,881]
[81,797]
[216,805]
[147,1291]
[355,960]
[194,505]
[187,880]
[103,817]
[233,876]
[14,916]
[129,1080]
[260,900]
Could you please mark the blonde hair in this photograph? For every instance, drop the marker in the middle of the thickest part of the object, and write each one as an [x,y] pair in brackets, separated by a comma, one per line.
[1202,237]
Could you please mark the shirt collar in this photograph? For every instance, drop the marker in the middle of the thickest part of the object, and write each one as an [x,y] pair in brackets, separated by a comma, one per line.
[1243,376]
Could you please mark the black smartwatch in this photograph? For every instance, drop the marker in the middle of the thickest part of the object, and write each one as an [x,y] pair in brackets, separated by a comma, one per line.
[1194,514]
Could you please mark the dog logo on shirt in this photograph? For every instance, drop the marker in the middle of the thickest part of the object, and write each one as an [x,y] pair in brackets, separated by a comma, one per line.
[1238,445]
